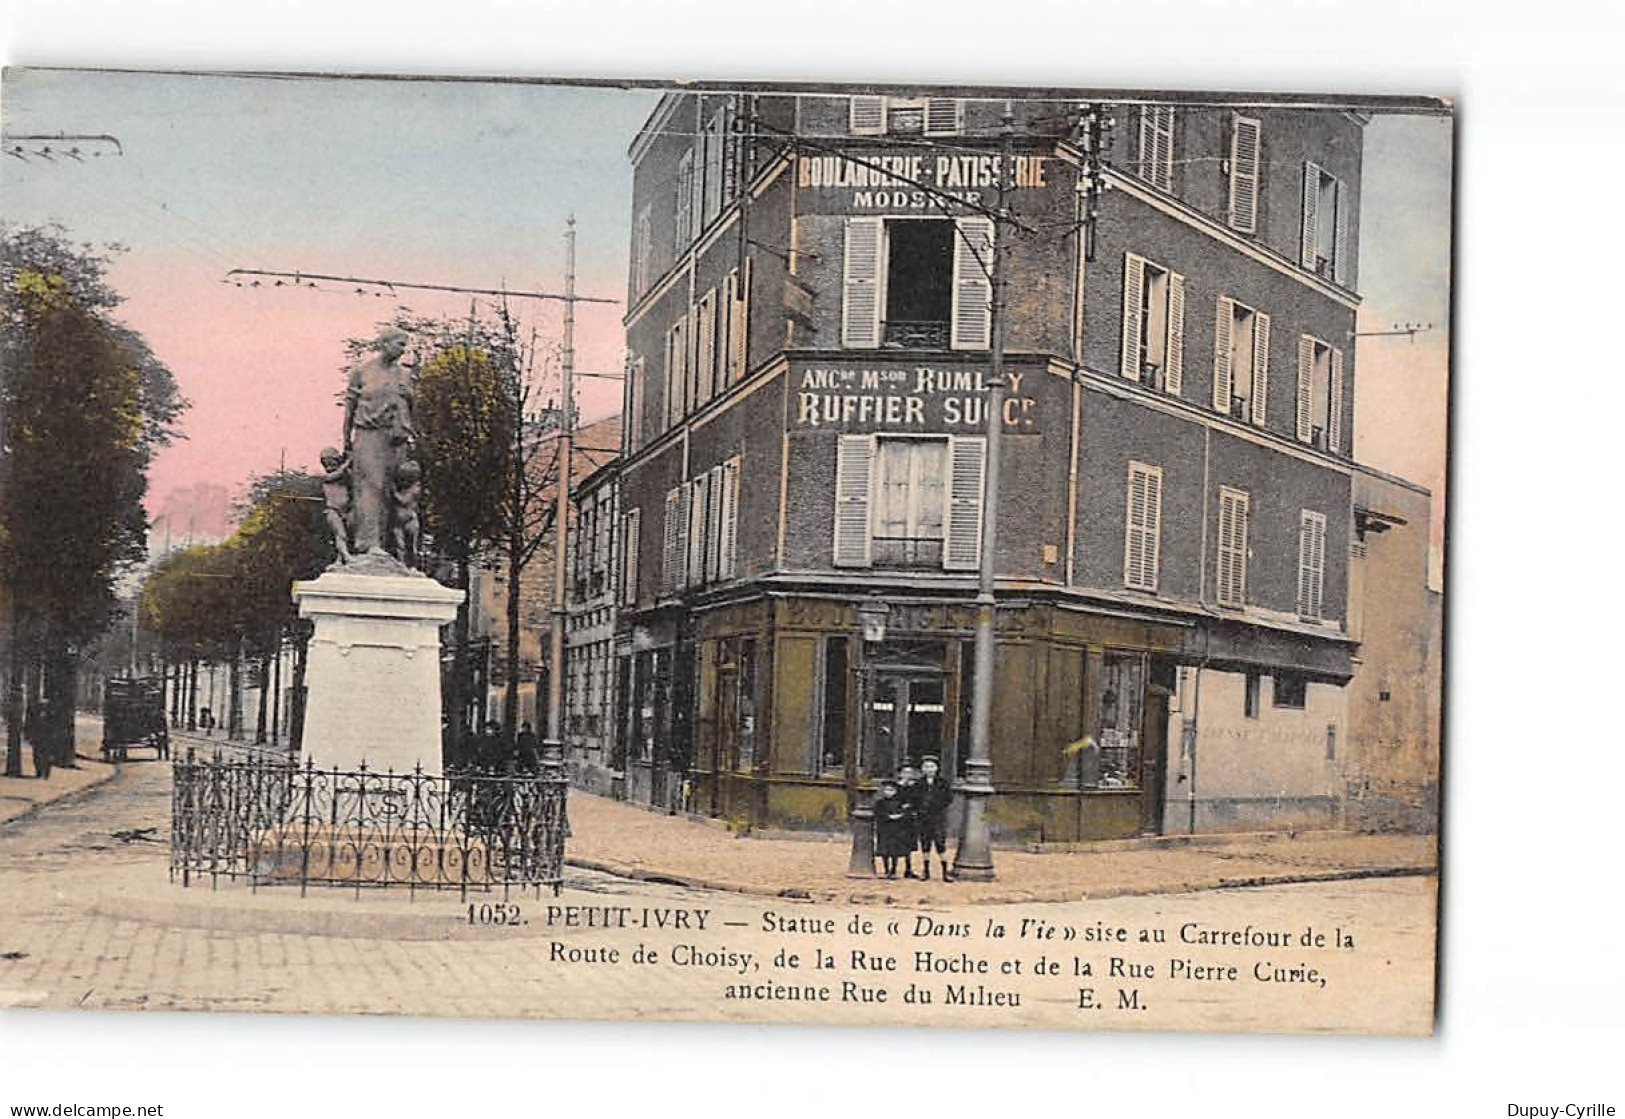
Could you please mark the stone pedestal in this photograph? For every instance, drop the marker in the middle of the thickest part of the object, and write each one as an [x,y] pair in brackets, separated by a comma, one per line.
[373,674]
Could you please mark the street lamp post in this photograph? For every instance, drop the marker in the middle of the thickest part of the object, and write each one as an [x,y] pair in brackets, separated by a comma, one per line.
[552,758]
[872,616]
[974,859]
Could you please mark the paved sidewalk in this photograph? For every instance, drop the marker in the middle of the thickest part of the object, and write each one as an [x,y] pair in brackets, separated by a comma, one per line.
[618,838]
[22,795]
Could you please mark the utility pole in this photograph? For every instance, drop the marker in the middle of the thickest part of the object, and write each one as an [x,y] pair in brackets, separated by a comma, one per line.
[974,859]
[553,744]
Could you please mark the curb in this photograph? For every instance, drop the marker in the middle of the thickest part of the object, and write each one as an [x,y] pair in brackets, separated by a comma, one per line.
[861,897]
[113,769]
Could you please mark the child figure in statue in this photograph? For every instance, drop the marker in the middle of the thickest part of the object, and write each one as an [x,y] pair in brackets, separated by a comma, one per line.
[336,495]
[404,511]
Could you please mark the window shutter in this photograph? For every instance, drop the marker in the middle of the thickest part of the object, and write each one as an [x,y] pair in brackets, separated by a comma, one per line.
[1334,421]
[854,475]
[944,116]
[967,482]
[1142,538]
[1311,206]
[673,553]
[973,292]
[1165,147]
[1133,282]
[1174,375]
[716,138]
[630,543]
[728,521]
[1232,580]
[1340,236]
[1244,166]
[868,116]
[1261,368]
[725,329]
[860,307]
[1306,381]
[1223,326]
[634,427]
[1311,564]
[705,324]
[698,529]
[739,340]
[685,199]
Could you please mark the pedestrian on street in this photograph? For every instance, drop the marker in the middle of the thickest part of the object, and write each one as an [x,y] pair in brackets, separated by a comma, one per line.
[908,791]
[933,796]
[528,749]
[893,837]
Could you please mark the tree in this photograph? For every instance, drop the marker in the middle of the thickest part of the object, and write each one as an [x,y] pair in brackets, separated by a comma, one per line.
[84,405]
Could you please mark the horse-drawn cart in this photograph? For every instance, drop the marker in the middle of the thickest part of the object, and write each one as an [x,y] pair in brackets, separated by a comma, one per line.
[133,716]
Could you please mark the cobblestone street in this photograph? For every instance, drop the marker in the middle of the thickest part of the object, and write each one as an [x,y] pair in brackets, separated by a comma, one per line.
[93,921]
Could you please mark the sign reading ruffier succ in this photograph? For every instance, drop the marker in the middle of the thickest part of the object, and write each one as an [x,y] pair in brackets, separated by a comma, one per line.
[905,398]
[887,182]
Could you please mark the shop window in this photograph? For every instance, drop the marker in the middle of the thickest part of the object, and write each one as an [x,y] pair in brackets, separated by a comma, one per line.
[1291,690]
[1120,710]
[832,714]
[1254,687]
[746,712]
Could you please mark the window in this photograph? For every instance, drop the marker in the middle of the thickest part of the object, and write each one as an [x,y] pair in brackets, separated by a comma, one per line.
[705,341]
[642,246]
[1153,325]
[702,529]
[1241,361]
[907,502]
[631,523]
[685,200]
[676,371]
[1320,394]
[696,539]
[917,283]
[1144,521]
[1232,551]
[1246,162]
[714,140]
[832,711]
[635,374]
[736,323]
[902,116]
[674,540]
[1120,705]
[1290,689]
[1156,146]
[1250,699]
[1311,564]
[1325,224]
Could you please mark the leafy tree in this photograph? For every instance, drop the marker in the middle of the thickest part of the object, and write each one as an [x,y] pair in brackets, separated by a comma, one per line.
[84,404]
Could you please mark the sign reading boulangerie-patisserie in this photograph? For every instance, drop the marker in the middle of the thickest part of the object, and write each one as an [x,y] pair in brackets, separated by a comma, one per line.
[906,398]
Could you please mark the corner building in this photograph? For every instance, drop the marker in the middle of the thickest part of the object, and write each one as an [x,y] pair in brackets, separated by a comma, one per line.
[801,486]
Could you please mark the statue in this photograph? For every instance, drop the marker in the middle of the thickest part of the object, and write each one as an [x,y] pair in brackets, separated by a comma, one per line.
[377,434]
[404,534]
[336,495]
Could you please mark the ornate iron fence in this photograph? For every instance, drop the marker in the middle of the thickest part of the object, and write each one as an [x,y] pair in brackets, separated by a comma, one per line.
[267,820]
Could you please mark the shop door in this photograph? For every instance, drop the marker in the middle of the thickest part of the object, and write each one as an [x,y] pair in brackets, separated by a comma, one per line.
[726,734]
[905,720]
[1154,758]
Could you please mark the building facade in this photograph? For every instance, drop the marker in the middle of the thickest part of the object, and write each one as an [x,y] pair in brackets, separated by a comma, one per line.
[592,760]
[800,507]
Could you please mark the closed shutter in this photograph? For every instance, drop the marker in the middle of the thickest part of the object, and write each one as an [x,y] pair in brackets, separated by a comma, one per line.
[631,541]
[1311,216]
[1232,581]
[1223,325]
[706,347]
[967,482]
[1157,145]
[728,521]
[1311,564]
[1261,368]
[944,116]
[868,116]
[685,200]
[1334,421]
[1244,165]
[643,241]
[973,292]
[634,428]
[1340,237]
[854,475]
[1174,375]
[725,329]
[673,544]
[716,138]
[1144,527]
[739,339]
[1306,382]
[699,535]
[860,305]
[1133,282]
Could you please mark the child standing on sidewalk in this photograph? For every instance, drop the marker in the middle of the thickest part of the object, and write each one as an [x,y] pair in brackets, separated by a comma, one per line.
[893,836]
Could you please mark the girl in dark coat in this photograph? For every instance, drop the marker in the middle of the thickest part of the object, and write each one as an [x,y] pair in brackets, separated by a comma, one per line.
[893,833]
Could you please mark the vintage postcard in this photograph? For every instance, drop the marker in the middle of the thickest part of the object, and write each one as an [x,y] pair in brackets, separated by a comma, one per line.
[860,555]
